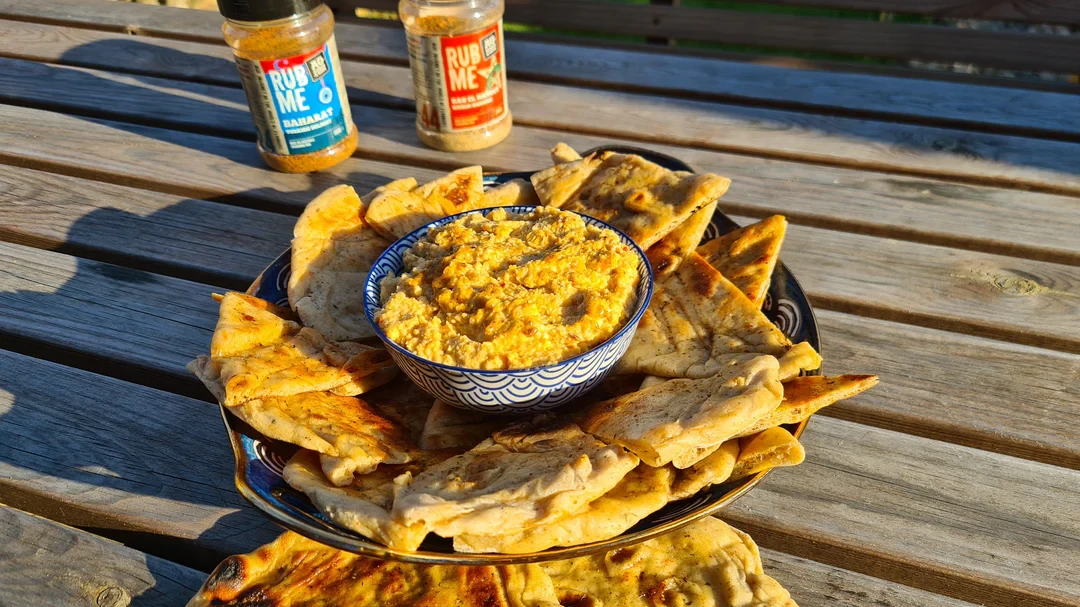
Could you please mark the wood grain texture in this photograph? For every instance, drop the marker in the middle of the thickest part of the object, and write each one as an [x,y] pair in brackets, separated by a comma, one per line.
[187,237]
[793,32]
[1005,160]
[962,522]
[931,386]
[755,83]
[1028,302]
[45,563]
[147,466]
[1031,11]
[1026,224]
[982,393]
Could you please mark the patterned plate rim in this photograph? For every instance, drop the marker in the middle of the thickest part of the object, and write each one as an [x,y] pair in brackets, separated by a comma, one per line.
[344,539]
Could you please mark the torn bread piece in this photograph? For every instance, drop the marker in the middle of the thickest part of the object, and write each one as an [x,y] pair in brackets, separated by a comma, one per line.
[450,427]
[344,429]
[333,250]
[558,184]
[714,469]
[519,476]
[562,153]
[258,354]
[643,199]
[697,319]
[771,448]
[516,192]
[683,420]
[748,255]
[669,252]
[459,191]
[804,396]
[641,492]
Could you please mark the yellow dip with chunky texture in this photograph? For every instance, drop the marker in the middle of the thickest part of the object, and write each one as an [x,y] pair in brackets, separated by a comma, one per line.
[510,291]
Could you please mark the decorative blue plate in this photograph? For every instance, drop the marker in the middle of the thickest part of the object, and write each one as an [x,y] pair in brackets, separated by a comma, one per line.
[259,460]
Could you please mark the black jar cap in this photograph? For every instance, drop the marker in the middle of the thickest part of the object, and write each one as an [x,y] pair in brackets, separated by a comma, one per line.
[264,10]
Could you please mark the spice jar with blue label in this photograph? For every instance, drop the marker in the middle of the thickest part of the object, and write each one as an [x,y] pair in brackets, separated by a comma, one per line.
[289,67]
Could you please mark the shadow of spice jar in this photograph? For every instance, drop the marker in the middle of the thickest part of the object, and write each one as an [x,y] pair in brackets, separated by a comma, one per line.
[458,63]
[288,62]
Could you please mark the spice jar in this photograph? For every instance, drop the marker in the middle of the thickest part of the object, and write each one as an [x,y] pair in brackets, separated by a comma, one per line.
[459,72]
[289,66]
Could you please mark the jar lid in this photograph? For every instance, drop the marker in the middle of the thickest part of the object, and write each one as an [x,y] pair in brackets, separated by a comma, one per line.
[264,10]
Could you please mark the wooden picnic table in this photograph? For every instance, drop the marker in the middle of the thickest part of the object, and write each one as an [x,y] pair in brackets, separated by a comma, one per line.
[935,225]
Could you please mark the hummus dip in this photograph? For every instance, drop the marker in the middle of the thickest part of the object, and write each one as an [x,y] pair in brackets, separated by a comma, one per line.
[510,291]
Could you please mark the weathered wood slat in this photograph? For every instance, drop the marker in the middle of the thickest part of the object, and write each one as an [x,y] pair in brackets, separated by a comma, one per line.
[792,32]
[45,563]
[180,488]
[983,157]
[188,237]
[1026,224]
[932,389]
[758,84]
[962,522]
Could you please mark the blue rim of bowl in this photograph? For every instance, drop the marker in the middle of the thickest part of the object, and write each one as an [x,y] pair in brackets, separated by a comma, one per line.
[630,325]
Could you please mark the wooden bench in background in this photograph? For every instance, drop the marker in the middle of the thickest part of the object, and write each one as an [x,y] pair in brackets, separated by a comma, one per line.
[760,27]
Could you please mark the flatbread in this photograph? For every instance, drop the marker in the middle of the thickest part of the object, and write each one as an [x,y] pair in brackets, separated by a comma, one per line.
[363,505]
[459,191]
[394,214]
[801,357]
[516,192]
[558,184]
[333,250]
[450,427]
[517,477]
[667,422]
[641,198]
[696,320]
[294,571]
[258,354]
[769,448]
[348,430]
[712,470]
[669,252]
[564,153]
[804,396]
[748,255]
[641,492]
[706,563]
[404,403]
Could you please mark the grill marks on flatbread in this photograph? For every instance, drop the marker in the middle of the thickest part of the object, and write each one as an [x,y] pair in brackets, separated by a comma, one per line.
[641,198]
[696,320]
[641,492]
[519,476]
[748,255]
[293,571]
[333,250]
[257,353]
[804,396]
[705,563]
[683,420]
[394,213]
[364,503]
[669,252]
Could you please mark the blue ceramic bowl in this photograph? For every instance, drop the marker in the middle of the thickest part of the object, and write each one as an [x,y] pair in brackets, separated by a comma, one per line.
[517,390]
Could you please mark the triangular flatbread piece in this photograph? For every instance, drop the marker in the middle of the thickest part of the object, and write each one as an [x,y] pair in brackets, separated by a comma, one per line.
[512,480]
[260,354]
[332,252]
[347,429]
[364,503]
[642,198]
[696,320]
[801,357]
[641,492]
[459,191]
[394,214]
[558,184]
[516,192]
[562,153]
[712,470]
[771,448]
[687,419]
[804,396]
[748,255]
[667,254]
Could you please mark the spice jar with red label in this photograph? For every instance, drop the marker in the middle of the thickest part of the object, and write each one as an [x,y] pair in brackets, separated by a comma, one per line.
[459,72]
[291,74]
